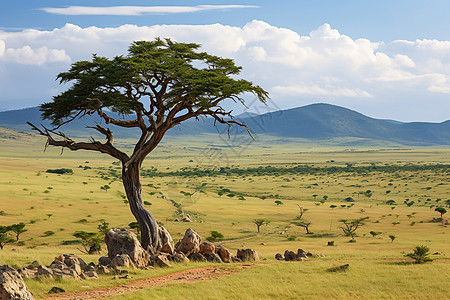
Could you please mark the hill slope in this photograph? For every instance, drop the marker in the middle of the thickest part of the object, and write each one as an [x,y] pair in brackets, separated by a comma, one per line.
[317,121]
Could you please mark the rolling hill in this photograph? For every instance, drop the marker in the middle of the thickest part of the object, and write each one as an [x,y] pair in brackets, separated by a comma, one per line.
[316,122]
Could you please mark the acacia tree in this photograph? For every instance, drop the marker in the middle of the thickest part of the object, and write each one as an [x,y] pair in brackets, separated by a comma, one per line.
[260,222]
[158,85]
[349,227]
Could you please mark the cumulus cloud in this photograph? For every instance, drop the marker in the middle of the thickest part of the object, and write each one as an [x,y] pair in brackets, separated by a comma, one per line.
[2,47]
[324,65]
[137,10]
[39,56]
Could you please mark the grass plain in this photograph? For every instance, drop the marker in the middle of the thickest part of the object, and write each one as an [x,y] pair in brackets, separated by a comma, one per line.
[63,204]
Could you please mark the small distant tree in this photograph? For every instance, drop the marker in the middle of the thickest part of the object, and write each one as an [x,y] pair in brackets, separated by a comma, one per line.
[4,238]
[304,224]
[103,227]
[420,254]
[314,196]
[135,225]
[325,198]
[349,227]
[440,210]
[105,187]
[332,206]
[90,241]
[392,237]
[278,202]
[48,216]
[260,222]
[390,202]
[215,236]
[374,233]
[18,229]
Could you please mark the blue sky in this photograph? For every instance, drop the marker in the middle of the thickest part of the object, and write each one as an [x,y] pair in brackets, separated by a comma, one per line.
[387,59]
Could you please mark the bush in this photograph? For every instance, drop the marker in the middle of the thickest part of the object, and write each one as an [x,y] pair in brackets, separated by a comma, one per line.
[60,171]
[420,254]
[215,236]
[49,233]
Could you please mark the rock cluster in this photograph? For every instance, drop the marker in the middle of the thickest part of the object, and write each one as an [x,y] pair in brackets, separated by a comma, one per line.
[63,266]
[124,250]
[292,256]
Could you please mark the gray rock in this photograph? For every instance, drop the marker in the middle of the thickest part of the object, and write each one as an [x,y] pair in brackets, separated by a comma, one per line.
[161,260]
[247,255]
[207,246]
[12,285]
[224,254]
[104,261]
[190,243]
[121,260]
[103,270]
[56,290]
[212,257]
[44,271]
[197,257]
[123,241]
[27,272]
[179,257]
[89,275]
[291,256]
[279,256]
[167,245]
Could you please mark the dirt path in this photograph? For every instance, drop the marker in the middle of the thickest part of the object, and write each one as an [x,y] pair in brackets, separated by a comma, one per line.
[191,275]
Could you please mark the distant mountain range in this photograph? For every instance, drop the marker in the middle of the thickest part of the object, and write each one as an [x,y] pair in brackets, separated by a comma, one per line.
[316,122]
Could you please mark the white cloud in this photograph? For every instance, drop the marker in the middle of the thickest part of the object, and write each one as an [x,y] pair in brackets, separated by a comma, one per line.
[2,47]
[39,56]
[324,65]
[137,10]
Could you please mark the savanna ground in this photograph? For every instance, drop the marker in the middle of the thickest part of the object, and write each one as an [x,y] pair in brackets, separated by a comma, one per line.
[55,206]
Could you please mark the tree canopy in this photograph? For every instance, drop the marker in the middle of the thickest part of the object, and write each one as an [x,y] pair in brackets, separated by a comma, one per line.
[161,83]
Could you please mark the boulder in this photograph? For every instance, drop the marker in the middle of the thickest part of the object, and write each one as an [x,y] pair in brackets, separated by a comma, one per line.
[235,259]
[104,261]
[89,275]
[121,260]
[12,285]
[212,257]
[123,241]
[44,271]
[66,273]
[190,243]
[206,246]
[197,257]
[247,255]
[72,261]
[27,272]
[291,256]
[224,254]
[179,257]
[167,245]
[58,265]
[279,256]
[103,270]
[161,260]
[302,253]
[56,290]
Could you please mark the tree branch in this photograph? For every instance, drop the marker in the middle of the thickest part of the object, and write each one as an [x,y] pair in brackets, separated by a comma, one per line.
[72,145]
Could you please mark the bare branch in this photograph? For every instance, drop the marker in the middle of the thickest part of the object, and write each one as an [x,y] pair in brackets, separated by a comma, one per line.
[67,142]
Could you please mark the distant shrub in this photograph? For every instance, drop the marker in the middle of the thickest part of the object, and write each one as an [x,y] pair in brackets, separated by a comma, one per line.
[330,243]
[291,238]
[420,254]
[215,236]
[147,203]
[60,171]
[49,233]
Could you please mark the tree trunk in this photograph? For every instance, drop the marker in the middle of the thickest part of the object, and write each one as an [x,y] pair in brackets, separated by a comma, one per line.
[149,227]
